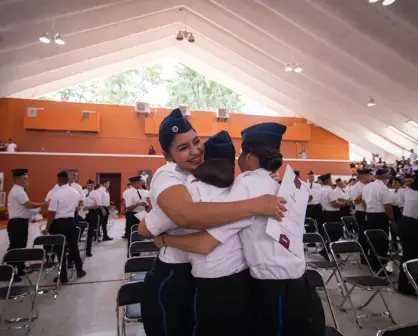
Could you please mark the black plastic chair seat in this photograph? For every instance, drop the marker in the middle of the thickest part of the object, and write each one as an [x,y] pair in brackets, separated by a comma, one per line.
[322,264]
[133,312]
[15,292]
[367,281]
[330,331]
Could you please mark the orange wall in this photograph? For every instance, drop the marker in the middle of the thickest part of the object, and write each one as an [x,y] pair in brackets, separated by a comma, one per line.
[121,130]
[43,168]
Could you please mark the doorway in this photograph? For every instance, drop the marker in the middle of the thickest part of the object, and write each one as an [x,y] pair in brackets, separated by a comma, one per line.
[115,180]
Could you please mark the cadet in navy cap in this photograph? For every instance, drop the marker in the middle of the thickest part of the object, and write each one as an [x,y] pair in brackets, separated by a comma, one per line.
[284,301]
[170,311]
[92,205]
[103,191]
[135,202]
[356,194]
[18,207]
[314,209]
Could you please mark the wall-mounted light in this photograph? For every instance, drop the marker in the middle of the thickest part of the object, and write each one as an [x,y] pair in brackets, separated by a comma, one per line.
[403,134]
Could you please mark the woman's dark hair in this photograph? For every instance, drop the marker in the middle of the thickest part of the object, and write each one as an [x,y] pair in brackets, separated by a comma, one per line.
[269,158]
[217,172]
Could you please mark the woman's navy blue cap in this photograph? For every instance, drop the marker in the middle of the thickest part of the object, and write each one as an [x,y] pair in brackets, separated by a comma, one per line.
[220,146]
[364,171]
[135,179]
[19,172]
[174,123]
[62,174]
[90,182]
[325,177]
[266,134]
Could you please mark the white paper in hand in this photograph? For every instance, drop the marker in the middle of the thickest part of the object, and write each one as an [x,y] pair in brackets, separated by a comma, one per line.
[82,213]
[289,232]
[141,215]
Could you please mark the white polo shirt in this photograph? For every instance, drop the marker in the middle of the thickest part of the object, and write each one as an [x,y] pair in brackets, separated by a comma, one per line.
[328,195]
[315,190]
[355,191]
[398,197]
[11,148]
[165,177]
[92,198]
[79,189]
[135,196]
[127,191]
[376,195]
[410,208]
[17,197]
[64,201]
[104,197]
[266,258]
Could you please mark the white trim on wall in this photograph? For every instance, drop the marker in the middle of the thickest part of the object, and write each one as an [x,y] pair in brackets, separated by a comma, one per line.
[137,156]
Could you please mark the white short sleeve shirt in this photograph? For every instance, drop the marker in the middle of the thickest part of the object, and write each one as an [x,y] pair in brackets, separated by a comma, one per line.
[376,195]
[15,203]
[104,196]
[135,196]
[328,196]
[355,192]
[64,202]
[79,189]
[411,203]
[92,198]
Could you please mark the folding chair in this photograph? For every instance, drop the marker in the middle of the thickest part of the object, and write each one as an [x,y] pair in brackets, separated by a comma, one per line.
[411,270]
[130,296]
[26,255]
[366,282]
[82,241]
[134,228]
[316,238]
[401,330]
[136,267]
[334,231]
[310,225]
[7,276]
[374,235]
[351,227]
[138,247]
[52,245]
[315,279]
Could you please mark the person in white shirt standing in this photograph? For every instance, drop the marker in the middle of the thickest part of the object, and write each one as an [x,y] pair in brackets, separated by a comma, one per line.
[344,197]
[135,201]
[314,209]
[356,194]
[124,195]
[398,194]
[11,147]
[105,204]
[18,207]
[92,205]
[413,156]
[61,221]
[73,176]
[408,234]
[377,200]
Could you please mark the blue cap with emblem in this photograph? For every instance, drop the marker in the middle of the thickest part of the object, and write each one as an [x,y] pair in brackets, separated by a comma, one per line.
[175,123]
[325,177]
[135,179]
[220,146]
[266,134]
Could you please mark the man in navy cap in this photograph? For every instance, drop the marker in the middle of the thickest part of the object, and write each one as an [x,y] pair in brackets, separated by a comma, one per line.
[18,207]
[92,204]
[314,209]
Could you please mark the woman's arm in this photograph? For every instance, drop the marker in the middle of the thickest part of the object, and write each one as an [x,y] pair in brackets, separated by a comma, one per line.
[143,230]
[198,242]
[178,205]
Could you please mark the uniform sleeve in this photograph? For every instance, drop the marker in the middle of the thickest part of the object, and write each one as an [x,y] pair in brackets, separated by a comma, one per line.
[238,192]
[386,196]
[165,180]
[158,222]
[82,194]
[101,197]
[129,199]
[22,196]
[333,195]
[53,205]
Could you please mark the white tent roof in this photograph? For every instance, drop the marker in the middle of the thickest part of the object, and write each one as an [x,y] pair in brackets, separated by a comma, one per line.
[350,51]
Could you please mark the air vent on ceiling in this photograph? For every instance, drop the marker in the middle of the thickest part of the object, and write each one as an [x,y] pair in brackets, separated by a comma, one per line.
[222,113]
[142,107]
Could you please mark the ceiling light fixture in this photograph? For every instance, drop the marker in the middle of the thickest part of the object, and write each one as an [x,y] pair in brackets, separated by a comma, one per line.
[373,1]
[388,2]
[371,102]
[58,40]
[413,123]
[44,38]
[403,134]
[298,68]
[288,67]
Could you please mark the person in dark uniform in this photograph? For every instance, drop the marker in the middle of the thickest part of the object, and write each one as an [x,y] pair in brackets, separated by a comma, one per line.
[314,209]
[61,221]
[18,207]
[356,194]
[378,200]
[92,206]
[135,202]
[408,234]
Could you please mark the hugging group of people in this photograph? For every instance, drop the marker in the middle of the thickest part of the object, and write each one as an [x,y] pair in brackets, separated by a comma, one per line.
[218,272]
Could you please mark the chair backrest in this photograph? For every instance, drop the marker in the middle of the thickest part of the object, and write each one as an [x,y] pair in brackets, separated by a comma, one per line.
[346,246]
[57,239]
[134,228]
[139,264]
[310,223]
[313,237]
[350,223]
[143,246]
[135,236]
[316,280]
[336,228]
[402,330]
[411,270]
[83,225]
[24,254]
[6,273]
[130,293]
[376,234]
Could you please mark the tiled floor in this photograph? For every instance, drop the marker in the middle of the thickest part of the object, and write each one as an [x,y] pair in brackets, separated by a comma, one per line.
[87,307]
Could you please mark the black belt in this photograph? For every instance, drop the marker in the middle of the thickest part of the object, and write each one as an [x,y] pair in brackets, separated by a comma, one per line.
[19,219]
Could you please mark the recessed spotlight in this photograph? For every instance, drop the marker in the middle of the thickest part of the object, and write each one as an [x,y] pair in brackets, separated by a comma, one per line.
[58,40]
[298,68]
[288,67]
[388,2]
[44,38]
[371,102]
